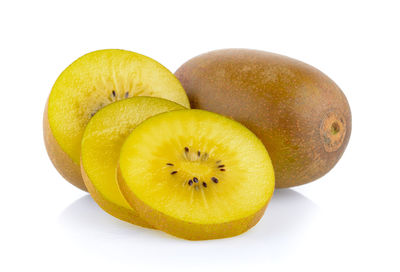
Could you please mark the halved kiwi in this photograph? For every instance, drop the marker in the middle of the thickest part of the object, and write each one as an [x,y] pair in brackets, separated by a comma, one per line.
[196,174]
[90,83]
[101,143]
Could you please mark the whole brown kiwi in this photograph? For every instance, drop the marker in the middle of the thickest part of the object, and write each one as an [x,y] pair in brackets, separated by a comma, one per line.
[299,113]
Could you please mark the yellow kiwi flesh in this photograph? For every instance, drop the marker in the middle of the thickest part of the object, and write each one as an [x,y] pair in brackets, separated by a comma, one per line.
[90,83]
[101,143]
[196,174]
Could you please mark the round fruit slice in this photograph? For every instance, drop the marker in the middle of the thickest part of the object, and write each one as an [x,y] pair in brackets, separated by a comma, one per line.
[90,83]
[101,143]
[196,174]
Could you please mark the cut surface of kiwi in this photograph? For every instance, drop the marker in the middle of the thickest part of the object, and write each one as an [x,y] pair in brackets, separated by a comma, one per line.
[196,174]
[90,83]
[101,143]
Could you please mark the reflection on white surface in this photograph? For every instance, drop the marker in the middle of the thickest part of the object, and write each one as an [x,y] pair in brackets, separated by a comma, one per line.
[84,215]
[285,222]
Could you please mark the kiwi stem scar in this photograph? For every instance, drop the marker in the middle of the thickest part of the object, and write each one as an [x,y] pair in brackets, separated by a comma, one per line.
[335,128]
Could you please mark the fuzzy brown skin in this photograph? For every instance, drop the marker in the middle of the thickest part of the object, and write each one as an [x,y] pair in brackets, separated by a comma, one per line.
[187,230]
[300,114]
[62,162]
[115,210]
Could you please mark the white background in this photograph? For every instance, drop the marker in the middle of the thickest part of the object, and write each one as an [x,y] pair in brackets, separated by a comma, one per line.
[346,221]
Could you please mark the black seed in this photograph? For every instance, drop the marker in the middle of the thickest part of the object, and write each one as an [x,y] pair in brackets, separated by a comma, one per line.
[195,180]
[190,182]
[217,162]
[214,179]
[198,153]
[126,94]
[170,164]
[222,165]
[92,114]
[113,93]
[174,172]
[223,170]
[205,184]
[186,149]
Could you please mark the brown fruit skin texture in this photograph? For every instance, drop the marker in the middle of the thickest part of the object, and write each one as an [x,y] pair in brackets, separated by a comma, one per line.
[61,161]
[186,230]
[114,210]
[300,114]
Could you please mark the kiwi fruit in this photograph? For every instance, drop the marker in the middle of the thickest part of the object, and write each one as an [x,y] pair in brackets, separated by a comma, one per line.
[87,85]
[101,142]
[299,113]
[196,174]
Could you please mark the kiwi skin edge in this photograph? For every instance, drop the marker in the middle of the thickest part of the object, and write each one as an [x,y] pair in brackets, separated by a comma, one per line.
[61,161]
[187,230]
[115,210]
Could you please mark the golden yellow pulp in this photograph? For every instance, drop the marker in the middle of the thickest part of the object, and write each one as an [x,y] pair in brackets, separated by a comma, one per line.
[104,136]
[98,79]
[198,167]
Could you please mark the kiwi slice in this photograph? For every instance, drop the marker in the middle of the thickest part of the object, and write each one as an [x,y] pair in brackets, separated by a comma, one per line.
[87,85]
[196,174]
[101,143]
